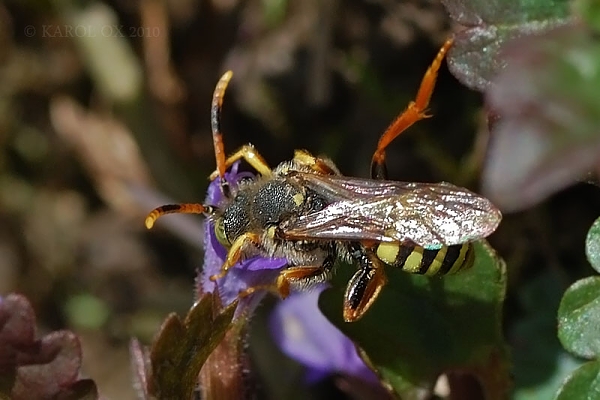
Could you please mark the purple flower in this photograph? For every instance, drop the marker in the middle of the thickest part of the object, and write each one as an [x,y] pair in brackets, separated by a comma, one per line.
[304,334]
[300,329]
[247,273]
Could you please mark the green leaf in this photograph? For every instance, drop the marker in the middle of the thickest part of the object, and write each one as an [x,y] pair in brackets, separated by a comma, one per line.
[540,363]
[420,327]
[547,99]
[474,58]
[182,347]
[592,245]
[584,383]
[564,365]
[579,318]
[589,11]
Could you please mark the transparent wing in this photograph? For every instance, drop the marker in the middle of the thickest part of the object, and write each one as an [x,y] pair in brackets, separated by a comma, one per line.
[430,215]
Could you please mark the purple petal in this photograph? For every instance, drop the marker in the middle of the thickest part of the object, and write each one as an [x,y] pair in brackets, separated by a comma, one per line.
[214,196]
[304,334]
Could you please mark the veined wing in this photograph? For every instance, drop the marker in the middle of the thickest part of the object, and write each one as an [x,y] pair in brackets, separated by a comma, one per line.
[429,215]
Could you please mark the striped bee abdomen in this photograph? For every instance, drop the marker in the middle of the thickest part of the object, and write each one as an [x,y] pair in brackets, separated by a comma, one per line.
[418,260]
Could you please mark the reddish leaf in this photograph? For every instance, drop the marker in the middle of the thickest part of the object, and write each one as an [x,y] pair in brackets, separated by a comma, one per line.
[548,135]
[46,368]
[474,59]
[140,364]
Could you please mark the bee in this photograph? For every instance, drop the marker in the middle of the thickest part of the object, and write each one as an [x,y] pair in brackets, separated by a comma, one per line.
[306,211]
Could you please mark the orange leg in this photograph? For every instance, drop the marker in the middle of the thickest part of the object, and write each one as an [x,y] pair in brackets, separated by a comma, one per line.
[298,276]
[315,163]
[186,208]
[252,157]
[415,111]
[235,252]
[285,280]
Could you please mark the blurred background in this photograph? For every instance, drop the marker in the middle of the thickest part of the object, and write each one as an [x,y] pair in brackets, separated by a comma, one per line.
[104,115]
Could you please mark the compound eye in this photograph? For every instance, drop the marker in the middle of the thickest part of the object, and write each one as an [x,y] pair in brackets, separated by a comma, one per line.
[220,233]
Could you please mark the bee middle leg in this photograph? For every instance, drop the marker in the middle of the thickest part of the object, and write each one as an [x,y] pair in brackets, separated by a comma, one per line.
[415,111]
[296,277]
[317,164]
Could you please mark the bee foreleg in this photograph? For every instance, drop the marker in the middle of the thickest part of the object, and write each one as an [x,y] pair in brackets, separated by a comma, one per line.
[363,288]
[251,156]
[415,111]
[235,252]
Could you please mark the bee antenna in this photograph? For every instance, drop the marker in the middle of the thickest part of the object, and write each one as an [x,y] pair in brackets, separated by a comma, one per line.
[225,188]
[186,208]
[215,123]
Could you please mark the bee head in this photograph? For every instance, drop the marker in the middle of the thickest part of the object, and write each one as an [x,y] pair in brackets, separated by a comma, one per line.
[234,221]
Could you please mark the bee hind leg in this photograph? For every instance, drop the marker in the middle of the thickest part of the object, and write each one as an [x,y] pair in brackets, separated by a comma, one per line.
[415,111]
[363,289]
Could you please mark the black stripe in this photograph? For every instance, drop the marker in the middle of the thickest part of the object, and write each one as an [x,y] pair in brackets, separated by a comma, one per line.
[170,207]
[469,257]
[403,253]
[452,255]
[427,260]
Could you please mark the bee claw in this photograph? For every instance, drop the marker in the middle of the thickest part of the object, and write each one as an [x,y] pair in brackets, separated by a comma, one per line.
[215,277]
[246,292]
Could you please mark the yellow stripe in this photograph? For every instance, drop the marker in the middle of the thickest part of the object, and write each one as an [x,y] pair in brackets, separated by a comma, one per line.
[437,262]
[413,261]
[388,251]
[461,260]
